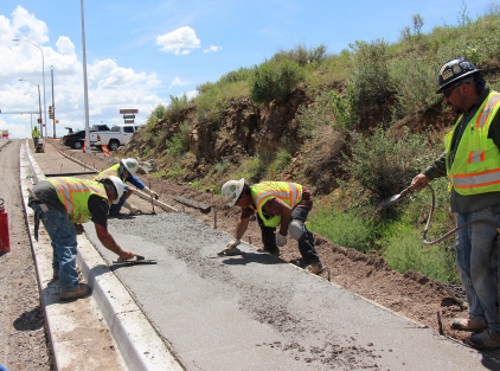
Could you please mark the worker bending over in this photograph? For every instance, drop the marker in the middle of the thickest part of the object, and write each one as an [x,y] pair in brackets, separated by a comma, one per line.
[126,170]
[282,204]
[63,204]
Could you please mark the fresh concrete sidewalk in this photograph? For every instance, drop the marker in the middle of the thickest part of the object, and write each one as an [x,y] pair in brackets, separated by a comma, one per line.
[105,331]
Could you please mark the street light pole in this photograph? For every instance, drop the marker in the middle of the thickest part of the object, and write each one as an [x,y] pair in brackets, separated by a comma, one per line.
[85,85]
[43,82]
[39,103]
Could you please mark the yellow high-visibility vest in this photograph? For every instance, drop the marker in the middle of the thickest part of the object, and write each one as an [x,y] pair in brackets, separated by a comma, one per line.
[476,166]
[289,193]
[74,194]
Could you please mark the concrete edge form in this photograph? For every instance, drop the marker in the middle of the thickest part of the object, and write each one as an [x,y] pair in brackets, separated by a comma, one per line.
[140,346]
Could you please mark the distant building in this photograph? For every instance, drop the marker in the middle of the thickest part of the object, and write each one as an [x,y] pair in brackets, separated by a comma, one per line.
[5,134]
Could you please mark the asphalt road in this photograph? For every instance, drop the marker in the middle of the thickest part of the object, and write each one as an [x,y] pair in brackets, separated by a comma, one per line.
[255,312]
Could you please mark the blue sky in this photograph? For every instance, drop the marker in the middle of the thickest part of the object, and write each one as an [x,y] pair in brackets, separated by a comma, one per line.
[139,53]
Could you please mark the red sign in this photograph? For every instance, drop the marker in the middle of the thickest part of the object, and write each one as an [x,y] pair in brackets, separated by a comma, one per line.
[125,111]
[129,121]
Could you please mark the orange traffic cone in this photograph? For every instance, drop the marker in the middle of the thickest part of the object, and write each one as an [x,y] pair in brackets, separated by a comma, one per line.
[105,150]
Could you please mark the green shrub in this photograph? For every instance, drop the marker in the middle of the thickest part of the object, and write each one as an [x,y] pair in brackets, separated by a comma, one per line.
[384,164]
[347,229]
[370,83]
[415,82]
[179,142]
[405,252]
[301,55]
[275,80]
[176,107]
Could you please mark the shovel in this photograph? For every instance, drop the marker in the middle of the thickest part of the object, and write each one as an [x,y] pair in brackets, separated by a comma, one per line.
[394,199]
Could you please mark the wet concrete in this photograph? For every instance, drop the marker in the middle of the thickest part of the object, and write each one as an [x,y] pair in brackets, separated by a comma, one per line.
[256,312]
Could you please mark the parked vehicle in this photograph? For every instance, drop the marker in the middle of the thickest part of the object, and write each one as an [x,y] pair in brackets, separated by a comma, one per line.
[74,140]
[113,139]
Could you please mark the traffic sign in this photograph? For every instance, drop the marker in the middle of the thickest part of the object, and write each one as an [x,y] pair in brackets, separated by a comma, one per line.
[128,117]
[129,121]
[125,111]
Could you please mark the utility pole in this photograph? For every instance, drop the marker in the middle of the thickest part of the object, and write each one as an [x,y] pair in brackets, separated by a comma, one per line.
[53,104]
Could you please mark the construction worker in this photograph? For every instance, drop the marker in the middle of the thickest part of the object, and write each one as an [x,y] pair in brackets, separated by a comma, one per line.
[277,204]
[471,162]
[126,170]
[63,204]
[35,134]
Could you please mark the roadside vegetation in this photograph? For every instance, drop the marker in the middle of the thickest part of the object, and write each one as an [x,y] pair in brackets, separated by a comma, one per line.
[357,127]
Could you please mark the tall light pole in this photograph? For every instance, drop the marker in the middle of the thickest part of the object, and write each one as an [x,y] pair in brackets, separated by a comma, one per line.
[39,104]
[43,82]
[85,86]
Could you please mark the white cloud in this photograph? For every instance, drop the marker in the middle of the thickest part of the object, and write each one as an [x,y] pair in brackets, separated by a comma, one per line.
[212,49]
[110,85]
[177,81]
[179,42]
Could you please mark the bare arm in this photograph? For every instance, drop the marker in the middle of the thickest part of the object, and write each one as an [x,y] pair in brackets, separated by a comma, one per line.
[109,242]
[241,228]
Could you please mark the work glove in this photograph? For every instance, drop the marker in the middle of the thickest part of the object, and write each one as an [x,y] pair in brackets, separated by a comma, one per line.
[151,193]
[231,249]
[233,243]
[280,240]
[132,209]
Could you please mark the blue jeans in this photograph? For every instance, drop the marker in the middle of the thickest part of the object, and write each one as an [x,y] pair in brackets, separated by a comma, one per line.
[62,232]
[476,259]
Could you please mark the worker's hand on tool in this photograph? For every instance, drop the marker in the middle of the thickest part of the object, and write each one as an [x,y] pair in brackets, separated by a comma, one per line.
[420,182]
[126,255]
[79,228]
[280,240]
[232,244]
[151,193]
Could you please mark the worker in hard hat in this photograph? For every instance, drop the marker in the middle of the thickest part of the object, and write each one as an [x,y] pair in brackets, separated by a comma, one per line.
[63,204]
[126,170]
[35,134]
[279,205]
[471,162]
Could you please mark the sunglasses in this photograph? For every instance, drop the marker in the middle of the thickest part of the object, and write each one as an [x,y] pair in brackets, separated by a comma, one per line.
[447,92]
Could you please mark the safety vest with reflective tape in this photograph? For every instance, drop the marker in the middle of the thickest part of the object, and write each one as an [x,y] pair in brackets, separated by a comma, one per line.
[476,167]
[112,171]
[289,193]
[74,194]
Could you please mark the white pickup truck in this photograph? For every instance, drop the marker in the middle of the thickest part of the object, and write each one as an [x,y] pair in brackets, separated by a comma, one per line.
[114,138]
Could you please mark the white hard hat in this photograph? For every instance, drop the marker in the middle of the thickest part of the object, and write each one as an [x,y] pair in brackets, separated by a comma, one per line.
[120,188]
[231,190]
[131,164]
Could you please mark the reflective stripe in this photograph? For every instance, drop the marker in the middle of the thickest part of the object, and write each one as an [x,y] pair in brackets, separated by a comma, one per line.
[476,156]
[475,180]
[484,115]
[68,190]
[293,195]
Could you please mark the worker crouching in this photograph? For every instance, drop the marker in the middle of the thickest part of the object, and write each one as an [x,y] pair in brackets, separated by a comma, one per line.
[282,204]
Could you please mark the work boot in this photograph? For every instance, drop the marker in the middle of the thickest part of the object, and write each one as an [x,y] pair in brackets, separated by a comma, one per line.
[315,268]
[82,291]
[486,340]
[468,324]
[270,250]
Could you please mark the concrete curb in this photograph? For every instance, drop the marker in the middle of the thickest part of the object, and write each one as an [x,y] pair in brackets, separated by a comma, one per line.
[139,344]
